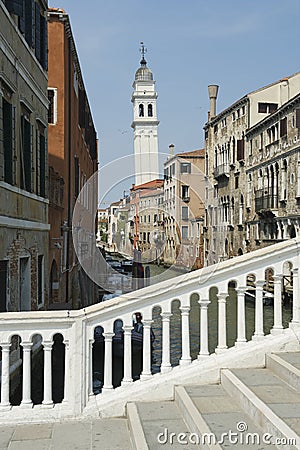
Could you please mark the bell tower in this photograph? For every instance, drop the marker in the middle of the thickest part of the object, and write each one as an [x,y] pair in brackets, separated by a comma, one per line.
[145,124]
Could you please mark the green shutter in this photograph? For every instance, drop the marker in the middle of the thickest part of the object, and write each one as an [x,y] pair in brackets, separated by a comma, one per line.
[29,28]
[7,142]
[37,31]
[42,166]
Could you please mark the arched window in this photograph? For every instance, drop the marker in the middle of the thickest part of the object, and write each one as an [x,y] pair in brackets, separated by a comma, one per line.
[284,180]
[150,110]
[141,110]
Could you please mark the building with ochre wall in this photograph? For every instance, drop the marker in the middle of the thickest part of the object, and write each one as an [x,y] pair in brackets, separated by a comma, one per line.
[72,161]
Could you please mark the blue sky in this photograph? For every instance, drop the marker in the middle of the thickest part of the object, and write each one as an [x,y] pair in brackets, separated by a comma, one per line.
[240,45]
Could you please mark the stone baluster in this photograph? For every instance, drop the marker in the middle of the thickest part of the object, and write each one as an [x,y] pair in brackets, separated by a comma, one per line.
[185,335]
[127,379]
[48,402]
[203,328]
[296,297]
[259,311]
[90,367]
[26,388]
[107,386]
[222,335]
[277,327]
[5,376]
[241,317]
[165,362]
[67,371]
[146,373]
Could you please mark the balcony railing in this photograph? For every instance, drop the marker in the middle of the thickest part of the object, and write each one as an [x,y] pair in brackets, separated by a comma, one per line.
[222,170]
[265,199]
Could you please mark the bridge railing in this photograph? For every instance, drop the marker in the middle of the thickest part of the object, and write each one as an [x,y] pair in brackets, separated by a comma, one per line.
[83,346]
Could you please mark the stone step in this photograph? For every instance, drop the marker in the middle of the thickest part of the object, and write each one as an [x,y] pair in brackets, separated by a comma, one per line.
[273,404]
[210,411]
[286,366]
[157,425]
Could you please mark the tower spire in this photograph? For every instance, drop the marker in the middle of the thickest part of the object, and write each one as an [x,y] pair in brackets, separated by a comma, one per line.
[143,50]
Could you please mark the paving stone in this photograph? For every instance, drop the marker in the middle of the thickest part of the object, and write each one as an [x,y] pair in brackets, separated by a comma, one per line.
[114,433]
[72,435]
[32,432]
[294,423]
[285,410]
[37,444]
[5,436]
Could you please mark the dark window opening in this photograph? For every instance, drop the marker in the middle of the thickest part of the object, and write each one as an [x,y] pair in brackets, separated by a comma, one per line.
[283,127]
[40,279]
[266,108]
[236,182]
[141,110]
[51,96]
[42,166]
[240,149]
[184,192]
[76,187]
[150,110]
[3,285]
[185,168]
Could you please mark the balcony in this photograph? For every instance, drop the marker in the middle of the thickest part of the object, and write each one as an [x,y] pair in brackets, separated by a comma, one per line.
[265,199]
[222,171]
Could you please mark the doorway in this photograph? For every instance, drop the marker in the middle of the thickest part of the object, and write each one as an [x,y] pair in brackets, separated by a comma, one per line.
[25,284]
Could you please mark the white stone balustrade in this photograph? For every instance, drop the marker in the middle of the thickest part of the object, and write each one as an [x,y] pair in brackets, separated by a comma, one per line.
[77,328]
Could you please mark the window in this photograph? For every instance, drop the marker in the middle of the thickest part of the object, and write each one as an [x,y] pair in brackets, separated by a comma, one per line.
[185,232]
[141,110]
[236,182]
[150,110]
[233,116]
[267,108]
[8,140]
[26,149]
[240,149]
[243,110]
[283,127]
[298,118]
[185,192]
[185,168]
[52,109]
[40,293]
[216,128]
[223,123]
[184,212]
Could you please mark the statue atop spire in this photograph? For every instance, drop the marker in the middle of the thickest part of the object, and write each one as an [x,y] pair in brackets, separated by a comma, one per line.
[143,50]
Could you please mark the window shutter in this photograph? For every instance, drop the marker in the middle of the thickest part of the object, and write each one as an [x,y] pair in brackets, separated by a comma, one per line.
[15,7]
[37,156]
[37,32]
[14,163]
[22,19]
[44,43]
[82,108]
[29,28]
[298,118]
[7,141]
[42,166]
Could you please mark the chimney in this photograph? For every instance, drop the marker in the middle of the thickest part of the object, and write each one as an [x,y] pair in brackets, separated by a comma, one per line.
[171,149]
[213,93]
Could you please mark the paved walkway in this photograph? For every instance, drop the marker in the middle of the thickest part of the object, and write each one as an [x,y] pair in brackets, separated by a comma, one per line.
[102,434]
